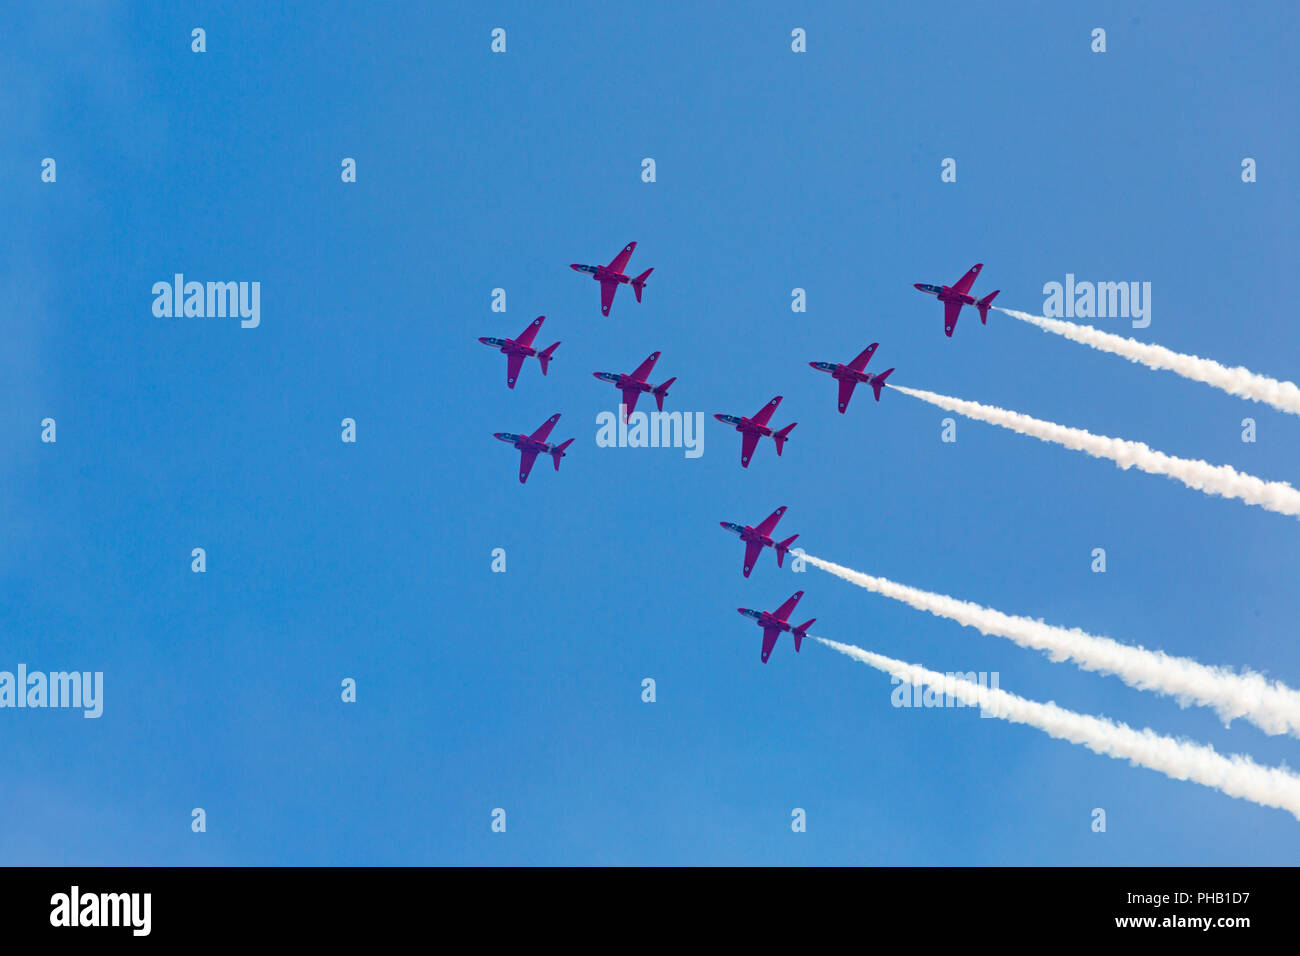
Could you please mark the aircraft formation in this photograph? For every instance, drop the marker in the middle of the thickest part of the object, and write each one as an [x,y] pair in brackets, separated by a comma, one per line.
[634,384]
[518,349]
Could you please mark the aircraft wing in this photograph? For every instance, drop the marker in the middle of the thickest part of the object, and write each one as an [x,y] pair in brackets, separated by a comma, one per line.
[752,550]
[514,362]
[748,442]
[965,282]
[643,370]
[859,363]
[527,335]
[846,392]
[765,413]
[770,634]
[620,260]
[783,612]
[545,430]
[950,312]
[770,521]
[607,290]
[629,401]
[526,460]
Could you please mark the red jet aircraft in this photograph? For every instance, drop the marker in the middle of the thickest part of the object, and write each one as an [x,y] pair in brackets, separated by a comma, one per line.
[633,385]
[530,446]
[751,429]
[611,277]
[756,539]
[516,350]
[774,622]
[851,375]
[954,297]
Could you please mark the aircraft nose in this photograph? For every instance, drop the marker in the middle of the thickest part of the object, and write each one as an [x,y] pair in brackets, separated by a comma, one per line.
[918,286]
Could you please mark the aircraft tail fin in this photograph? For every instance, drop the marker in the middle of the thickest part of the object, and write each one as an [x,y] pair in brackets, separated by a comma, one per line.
[782,547]
[545,356]
[983,306]
[801,632]
[638,284]
[782,435]
[558,452]
[662,392]
[878,382]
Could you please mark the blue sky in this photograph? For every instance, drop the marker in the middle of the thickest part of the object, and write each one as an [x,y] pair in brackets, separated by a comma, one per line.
[521,690]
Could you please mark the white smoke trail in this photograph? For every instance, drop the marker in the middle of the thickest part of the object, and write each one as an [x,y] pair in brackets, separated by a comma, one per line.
[1242,382]
[1233,774]
[1212,479]
[1270,705]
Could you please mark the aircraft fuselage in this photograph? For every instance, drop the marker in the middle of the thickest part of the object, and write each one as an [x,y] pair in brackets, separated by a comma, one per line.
[946,293]
[748,533]
[508,346]
[601,273]
[744,424]
[765,619]
[524,442]
[838,371]
[624,382]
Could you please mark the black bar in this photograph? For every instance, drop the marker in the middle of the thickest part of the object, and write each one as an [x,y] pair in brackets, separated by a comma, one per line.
[335,906]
